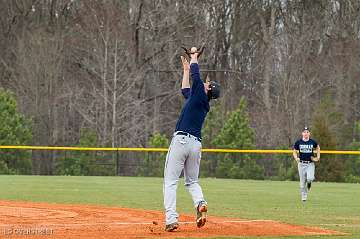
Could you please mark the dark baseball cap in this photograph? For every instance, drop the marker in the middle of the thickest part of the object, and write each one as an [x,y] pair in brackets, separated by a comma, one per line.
[215,90]
[306,128]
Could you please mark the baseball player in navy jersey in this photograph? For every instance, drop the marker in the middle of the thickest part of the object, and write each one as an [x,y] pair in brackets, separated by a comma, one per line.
[185,149]
[304,152]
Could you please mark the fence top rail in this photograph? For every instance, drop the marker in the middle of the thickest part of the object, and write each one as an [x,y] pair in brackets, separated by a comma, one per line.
[259,151]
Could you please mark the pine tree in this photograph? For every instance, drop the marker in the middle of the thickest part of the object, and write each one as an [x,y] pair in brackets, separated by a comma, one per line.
[326,117]
[237,134]
[213,124]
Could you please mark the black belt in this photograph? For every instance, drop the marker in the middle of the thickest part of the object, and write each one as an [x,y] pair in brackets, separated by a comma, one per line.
[302,161]
[187,134]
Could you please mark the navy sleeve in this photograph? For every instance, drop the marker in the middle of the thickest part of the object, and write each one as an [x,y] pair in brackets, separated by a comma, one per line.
[195,76]
[296,145]
[185,92]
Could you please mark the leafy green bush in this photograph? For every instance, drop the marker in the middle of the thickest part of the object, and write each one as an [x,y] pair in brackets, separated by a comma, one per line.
[352,179]
[80,163]
[15,129]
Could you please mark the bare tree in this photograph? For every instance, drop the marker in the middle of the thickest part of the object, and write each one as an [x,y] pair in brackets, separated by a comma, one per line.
[113,66]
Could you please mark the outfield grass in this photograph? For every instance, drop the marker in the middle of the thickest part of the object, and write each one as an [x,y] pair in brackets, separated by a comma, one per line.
[330,205]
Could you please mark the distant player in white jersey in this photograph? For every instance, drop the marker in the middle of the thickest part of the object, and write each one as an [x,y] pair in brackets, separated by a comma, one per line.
[306,151]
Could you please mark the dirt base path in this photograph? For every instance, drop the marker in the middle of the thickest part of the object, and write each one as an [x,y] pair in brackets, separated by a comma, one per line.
[44,220]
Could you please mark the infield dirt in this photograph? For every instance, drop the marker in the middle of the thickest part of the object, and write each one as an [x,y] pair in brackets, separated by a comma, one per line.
[44,220]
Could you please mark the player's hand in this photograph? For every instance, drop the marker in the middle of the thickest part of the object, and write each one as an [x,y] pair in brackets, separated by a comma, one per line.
[315,159]
[194,55]
[297,160]
[185,63]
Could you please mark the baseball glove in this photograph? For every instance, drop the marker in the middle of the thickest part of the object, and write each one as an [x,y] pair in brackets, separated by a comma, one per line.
[188,52]
[315,159]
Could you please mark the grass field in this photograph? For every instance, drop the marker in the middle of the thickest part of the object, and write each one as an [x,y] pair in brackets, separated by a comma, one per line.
[330,205]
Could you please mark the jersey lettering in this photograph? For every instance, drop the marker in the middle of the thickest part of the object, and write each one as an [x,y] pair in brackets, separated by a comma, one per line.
[306,148]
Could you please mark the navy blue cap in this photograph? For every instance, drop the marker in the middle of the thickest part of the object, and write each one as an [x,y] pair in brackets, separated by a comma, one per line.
[215,90]
[306,128]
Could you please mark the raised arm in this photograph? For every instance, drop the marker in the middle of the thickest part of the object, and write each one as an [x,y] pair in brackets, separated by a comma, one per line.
[194,67]
[186,71]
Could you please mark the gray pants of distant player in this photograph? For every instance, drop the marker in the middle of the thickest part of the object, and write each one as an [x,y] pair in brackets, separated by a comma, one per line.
[184,153]
[306,174]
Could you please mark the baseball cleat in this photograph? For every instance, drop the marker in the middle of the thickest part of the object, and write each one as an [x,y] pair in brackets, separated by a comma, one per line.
[308,186]
[172,227]
[201,212]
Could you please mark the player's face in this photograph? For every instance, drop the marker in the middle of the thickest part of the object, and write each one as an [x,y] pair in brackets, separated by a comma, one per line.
[207,86]
[306,134]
